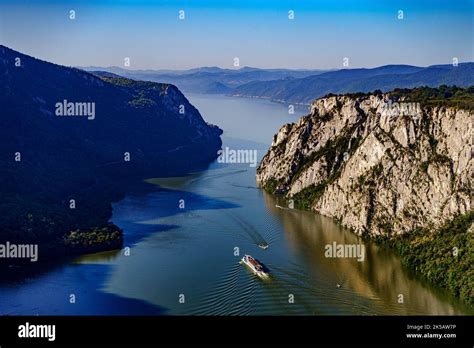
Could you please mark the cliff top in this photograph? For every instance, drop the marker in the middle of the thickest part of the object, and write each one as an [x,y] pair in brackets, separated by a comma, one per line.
[448,96]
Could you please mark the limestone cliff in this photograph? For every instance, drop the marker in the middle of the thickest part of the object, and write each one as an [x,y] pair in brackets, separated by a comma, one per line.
[379,163]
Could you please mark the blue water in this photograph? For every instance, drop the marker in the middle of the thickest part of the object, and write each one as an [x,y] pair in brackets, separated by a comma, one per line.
[185,260]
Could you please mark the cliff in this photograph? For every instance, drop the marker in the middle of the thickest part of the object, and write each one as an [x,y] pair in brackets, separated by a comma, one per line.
[396,167]
[378,163]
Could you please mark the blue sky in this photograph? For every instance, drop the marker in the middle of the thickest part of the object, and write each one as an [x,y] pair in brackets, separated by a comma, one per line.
[258,32]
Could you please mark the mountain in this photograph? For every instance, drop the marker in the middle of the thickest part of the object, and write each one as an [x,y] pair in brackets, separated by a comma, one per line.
[100,73]
[385,78]
[212,80]
[397,167]
[69,135]
[217,88]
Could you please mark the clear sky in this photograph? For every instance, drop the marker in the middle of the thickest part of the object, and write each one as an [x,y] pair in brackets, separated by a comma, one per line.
[258,32]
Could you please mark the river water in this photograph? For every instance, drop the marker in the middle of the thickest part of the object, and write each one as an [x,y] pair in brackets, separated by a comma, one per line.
[186,236]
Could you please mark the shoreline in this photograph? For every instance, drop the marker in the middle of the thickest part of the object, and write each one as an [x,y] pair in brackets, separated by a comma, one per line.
[403,246]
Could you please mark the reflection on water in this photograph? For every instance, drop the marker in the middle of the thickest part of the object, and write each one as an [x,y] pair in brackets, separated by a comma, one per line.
[380,277]
[195,257]
[191,253]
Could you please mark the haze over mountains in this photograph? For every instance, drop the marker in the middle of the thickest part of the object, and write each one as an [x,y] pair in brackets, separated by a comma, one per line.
[209,80]
[385,78]
[303,86]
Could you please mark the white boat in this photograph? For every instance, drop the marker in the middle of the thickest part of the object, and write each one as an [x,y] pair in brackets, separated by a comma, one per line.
[255,266]
[263,246]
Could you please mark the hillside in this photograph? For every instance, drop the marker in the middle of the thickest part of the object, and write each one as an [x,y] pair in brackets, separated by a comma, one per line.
[385,78]
[136,130]
[209,80]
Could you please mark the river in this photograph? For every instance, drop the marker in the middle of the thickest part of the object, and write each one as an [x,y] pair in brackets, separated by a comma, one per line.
[186,236]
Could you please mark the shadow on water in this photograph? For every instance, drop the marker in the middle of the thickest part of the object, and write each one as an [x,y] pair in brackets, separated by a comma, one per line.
[150,203]
[28,297]
[147,211]
[86,276]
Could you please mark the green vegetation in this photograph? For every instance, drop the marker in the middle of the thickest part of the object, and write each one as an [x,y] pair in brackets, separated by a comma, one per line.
[333,153]
[306,197]
[144,92]
[452,96]
[96,239]
[124,82]
[435,158]
[445,257]
[361,179]
[350,95]
[271,185]
[141,102]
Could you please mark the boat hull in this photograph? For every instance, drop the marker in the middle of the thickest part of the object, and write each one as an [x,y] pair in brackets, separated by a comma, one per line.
[259,273]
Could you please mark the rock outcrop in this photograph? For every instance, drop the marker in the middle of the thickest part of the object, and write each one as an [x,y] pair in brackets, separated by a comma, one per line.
[380,164]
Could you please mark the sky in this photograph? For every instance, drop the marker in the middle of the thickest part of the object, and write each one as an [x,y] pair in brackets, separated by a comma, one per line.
[257,32]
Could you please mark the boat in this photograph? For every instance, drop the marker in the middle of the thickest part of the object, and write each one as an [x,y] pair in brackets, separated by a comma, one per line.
[255,266]
[263,246]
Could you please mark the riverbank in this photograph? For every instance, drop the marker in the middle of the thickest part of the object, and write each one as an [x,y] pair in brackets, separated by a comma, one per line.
[378,170]
[444,256]
[60,175]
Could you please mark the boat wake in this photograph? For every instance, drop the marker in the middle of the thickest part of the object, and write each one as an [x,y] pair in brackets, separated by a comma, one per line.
[251,232]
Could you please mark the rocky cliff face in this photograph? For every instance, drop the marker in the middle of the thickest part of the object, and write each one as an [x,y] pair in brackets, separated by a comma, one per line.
[376,163]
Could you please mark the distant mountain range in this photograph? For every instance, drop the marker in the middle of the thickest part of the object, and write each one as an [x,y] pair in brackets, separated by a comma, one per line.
[384,78]
[303,86]
[209,80]
[68,134]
